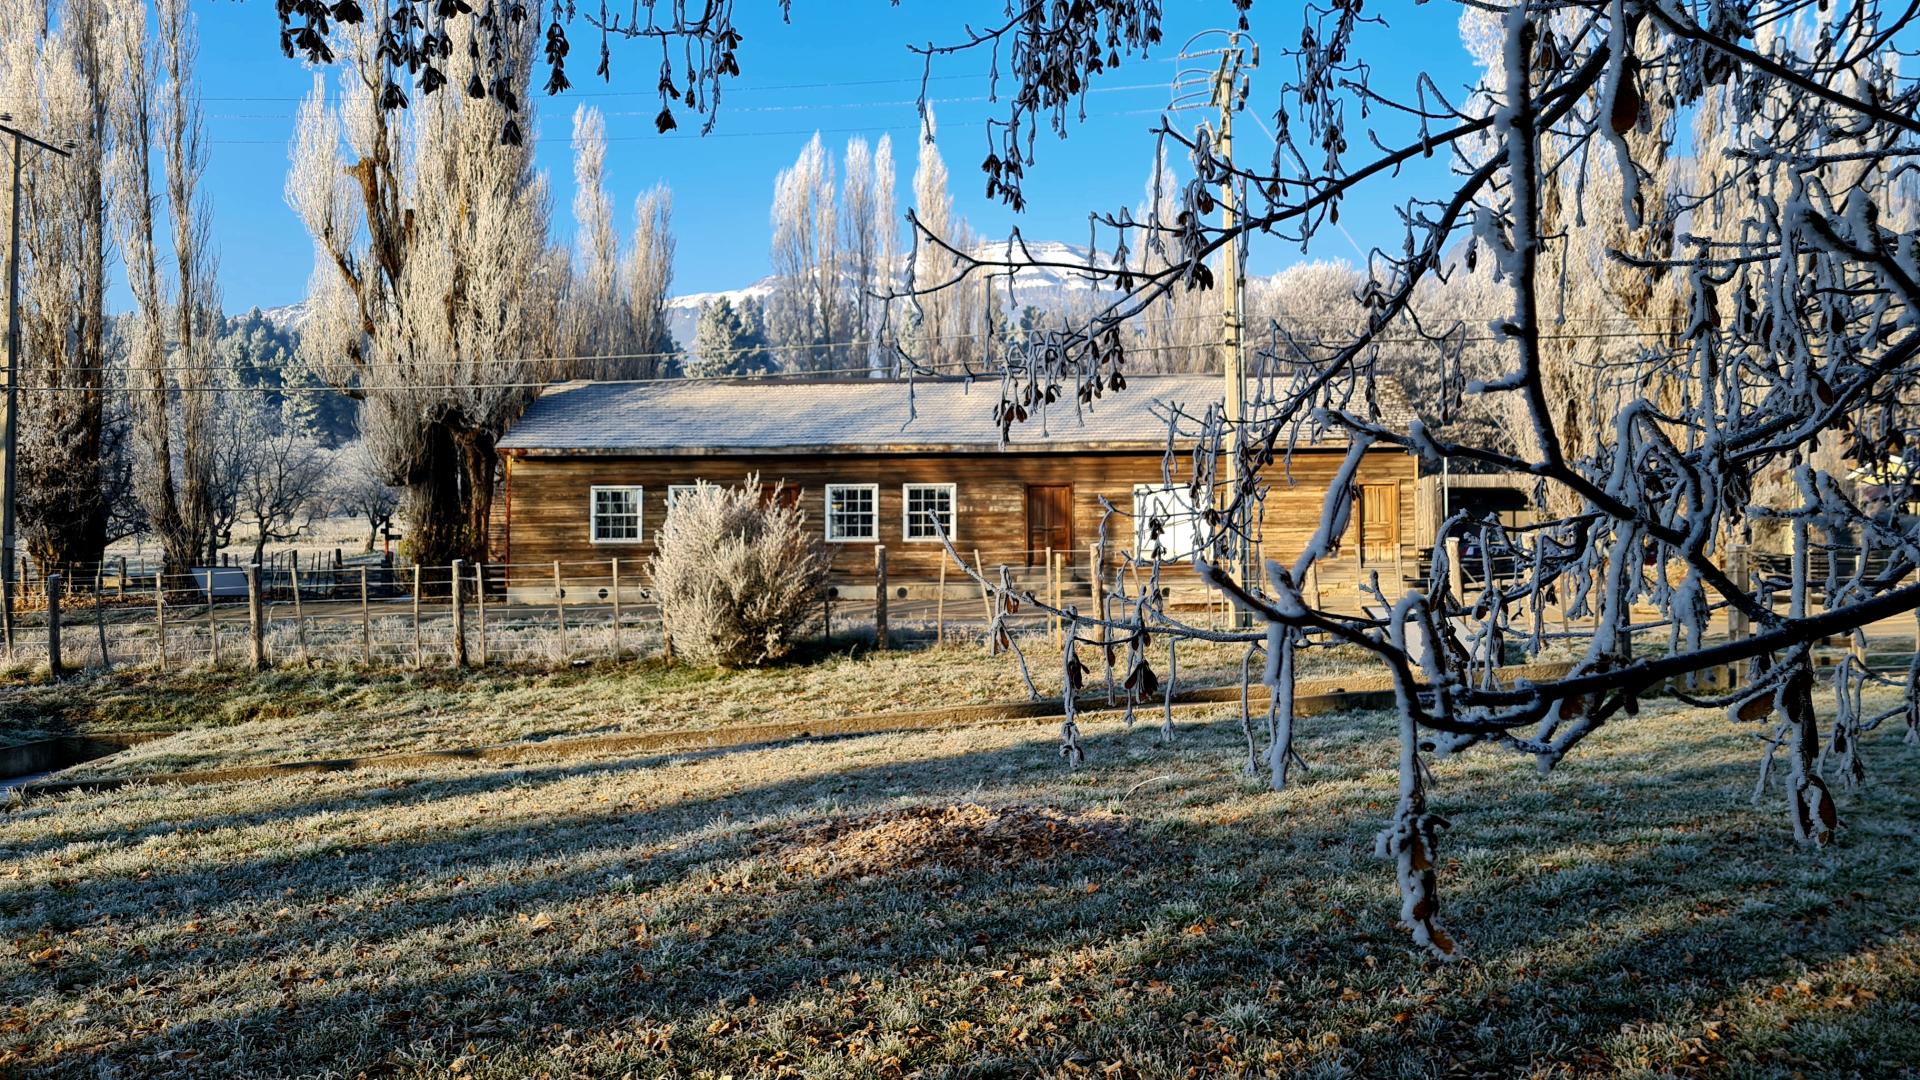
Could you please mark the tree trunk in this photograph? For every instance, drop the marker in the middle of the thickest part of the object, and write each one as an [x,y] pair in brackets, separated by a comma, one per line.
[480,461]
[439,501]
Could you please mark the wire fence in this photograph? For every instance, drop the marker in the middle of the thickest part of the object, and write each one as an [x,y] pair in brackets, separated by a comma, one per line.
[387,614]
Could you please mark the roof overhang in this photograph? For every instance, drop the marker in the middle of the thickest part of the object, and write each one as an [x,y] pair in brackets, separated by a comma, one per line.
[1055,448]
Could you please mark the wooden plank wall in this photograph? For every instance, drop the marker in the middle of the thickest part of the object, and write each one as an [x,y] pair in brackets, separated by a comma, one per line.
[546,516]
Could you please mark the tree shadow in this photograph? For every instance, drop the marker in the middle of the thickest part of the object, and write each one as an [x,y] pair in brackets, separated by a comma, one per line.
[451,916]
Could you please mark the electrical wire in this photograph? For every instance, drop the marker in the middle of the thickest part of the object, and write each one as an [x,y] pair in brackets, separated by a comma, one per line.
[959,366]
[1635,330]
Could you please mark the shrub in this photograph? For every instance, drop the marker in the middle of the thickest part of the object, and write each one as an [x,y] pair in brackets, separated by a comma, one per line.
[736,574]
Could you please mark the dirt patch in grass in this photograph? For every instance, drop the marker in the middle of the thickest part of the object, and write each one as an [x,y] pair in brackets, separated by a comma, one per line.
[966,836]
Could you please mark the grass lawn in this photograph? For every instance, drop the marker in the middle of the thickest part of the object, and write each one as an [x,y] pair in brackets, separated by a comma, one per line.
[231,717]
[951,904]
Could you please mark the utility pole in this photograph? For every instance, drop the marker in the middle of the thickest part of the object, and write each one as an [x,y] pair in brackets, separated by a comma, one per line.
[9,405]
[1223,89]
[1232,356]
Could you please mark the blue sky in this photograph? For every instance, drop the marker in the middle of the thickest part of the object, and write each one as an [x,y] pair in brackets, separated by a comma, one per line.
[842,68]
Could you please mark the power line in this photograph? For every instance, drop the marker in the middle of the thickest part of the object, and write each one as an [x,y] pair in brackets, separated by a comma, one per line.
[972,99]
[1635,329]
[739,89]
[738,350]
[959,366]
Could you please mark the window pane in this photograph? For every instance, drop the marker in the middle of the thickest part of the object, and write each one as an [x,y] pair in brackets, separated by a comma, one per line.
[1167,522]
[929,509]
[851,513]
[616,514]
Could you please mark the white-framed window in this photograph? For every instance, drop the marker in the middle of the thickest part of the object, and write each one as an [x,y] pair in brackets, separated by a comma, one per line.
[616,514]
[929,511]
[853,513]
[676,492]
[1168,522]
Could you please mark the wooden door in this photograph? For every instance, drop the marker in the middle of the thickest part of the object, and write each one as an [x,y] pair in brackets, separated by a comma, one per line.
[1379,523]
[789,494]
[1049,520]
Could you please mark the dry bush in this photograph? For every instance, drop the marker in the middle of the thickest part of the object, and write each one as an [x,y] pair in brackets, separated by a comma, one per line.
[736,575]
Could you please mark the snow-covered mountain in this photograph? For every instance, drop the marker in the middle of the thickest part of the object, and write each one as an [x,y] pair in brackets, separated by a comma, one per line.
[288,317]
[683,312]
[1038,285]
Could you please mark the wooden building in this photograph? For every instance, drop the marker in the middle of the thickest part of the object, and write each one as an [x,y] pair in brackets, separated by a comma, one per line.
[591,469]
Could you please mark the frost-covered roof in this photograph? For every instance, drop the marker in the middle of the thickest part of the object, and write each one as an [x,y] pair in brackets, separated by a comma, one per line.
[685,416]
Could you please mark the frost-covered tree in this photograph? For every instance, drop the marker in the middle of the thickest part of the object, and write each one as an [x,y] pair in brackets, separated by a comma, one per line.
[1660,339]
[948,319]
[1182,330]
[435,293]
[595,315]
[358,489]
[806,258]
[867,235]
[647,277]
[278,473]
[833,254]
[58,69]
[170,272]
[615,310]
[726,344]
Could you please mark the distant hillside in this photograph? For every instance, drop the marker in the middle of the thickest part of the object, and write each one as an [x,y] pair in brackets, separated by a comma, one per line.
[1041,286]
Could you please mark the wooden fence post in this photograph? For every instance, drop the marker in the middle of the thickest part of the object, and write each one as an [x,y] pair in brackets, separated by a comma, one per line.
[120,580]
[419,645]
[6,606]
[560,608]
[160,616]
[880,597]
[1097,589]
[1045,594]
[616,609]
[53,624]
[459,617]
[940,608]
[480,609]
[1738,625]
[299,617]
[100,615]
[986,598]
[256,626]
[366,623]
[666,628]
[213,623]
[1059,572]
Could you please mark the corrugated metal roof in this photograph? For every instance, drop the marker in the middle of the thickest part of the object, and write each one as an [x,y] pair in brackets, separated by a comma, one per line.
[685,416]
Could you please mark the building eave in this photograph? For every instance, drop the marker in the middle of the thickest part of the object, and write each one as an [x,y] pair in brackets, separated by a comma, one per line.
[1112,447]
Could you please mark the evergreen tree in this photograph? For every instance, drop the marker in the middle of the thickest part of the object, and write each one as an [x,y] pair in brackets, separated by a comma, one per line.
[728,341]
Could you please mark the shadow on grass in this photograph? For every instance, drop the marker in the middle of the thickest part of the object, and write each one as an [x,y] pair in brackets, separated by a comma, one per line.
[1232,922]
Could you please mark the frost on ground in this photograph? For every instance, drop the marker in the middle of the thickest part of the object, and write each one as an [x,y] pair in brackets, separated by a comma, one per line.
[963,837]
[825,910]
[233,718]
